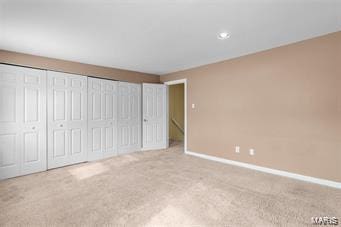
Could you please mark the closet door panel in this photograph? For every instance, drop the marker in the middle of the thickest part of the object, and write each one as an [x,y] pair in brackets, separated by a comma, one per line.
[134,135]
[129,118]
[110,129]
[10,122]
[59,144]
[34,125]
[67,119]
[95,117]
[102,110]
[58,148]
[76,141]
[9,153]
[22,121]
[77,118]
[76,105]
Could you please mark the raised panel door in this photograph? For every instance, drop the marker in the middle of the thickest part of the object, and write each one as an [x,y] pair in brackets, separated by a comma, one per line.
[154,116]
[67,119]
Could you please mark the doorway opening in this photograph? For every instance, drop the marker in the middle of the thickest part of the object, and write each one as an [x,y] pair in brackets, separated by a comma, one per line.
[177,114]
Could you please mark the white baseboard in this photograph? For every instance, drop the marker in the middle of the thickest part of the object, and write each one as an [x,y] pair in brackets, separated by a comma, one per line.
[324,182]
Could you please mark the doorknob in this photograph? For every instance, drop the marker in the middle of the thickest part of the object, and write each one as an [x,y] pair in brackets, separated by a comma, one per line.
[145,120]
[61,125]
[34,127]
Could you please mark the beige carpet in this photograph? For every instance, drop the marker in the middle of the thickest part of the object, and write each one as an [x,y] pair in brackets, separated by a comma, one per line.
[162,188]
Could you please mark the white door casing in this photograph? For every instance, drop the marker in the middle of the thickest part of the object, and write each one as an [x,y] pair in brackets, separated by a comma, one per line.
[129,117]
[154,115]
[102,118]
[67,119]
[22,121]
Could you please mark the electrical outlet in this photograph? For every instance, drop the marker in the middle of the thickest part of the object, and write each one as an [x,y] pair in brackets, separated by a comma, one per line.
[237,149]
[252,151]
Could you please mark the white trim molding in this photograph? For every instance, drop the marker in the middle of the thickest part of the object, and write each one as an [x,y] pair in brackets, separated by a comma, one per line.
[324,182]
[181,81]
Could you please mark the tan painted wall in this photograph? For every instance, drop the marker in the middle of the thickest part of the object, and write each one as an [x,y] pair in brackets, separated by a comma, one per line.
[285,103]
[176,111]
[75,67]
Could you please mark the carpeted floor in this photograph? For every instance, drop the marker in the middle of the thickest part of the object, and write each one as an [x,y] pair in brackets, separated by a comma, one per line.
[162,188]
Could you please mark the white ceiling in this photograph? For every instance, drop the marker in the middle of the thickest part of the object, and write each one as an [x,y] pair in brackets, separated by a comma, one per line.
[160,36]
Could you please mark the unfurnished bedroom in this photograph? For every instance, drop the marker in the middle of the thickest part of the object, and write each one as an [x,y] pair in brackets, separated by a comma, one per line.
[170,113]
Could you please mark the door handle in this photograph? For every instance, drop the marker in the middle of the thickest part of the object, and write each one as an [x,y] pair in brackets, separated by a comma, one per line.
[61,125]
[34,127]
[145,120]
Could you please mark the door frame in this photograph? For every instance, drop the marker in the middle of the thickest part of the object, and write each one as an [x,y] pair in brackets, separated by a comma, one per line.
[173,82]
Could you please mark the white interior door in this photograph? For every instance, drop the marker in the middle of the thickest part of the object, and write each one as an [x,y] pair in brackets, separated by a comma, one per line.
[154,116]
[102,118]
[67,119]
[22,121]
[129,117]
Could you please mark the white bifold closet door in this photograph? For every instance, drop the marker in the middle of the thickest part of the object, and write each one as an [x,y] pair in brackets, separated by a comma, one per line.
[129,117]
[22,121]
[154,116]
[67,119]
[102,118]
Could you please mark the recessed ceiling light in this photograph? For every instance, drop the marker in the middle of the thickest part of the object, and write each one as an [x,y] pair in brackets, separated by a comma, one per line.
[223,35]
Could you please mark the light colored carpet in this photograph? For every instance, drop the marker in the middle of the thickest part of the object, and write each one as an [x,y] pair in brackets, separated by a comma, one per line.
[162,188]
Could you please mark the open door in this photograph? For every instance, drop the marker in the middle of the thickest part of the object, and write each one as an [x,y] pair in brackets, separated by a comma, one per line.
[154,116]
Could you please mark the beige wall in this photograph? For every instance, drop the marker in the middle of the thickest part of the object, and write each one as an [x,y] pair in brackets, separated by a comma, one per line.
[176,111]
[75,67]
[285,103]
